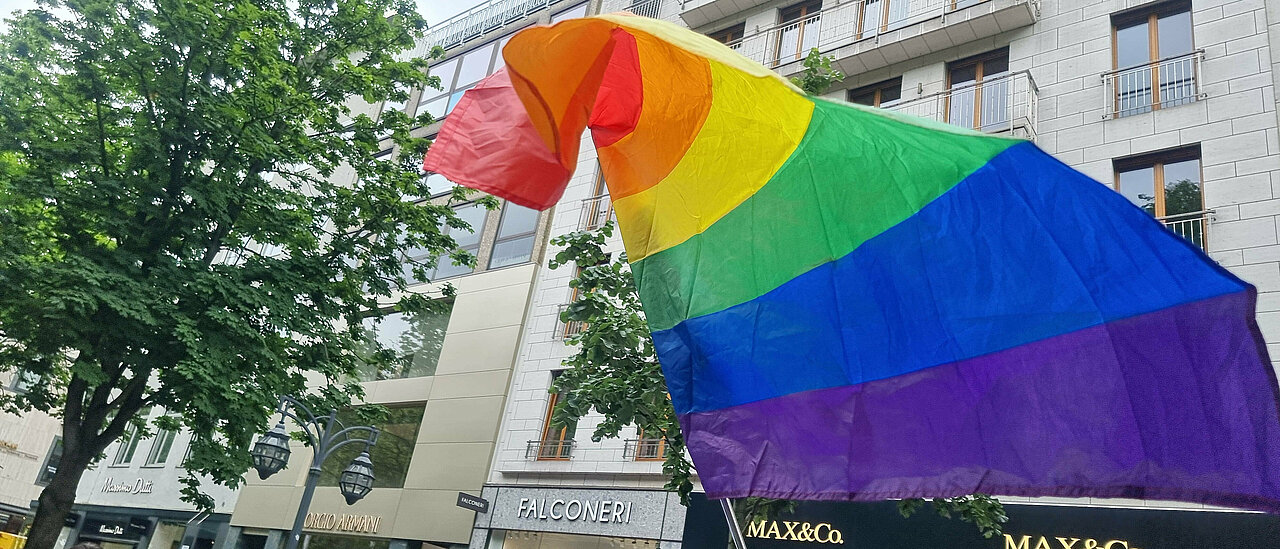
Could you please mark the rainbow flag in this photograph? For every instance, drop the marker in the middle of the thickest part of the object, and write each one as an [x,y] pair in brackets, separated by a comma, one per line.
[854,304]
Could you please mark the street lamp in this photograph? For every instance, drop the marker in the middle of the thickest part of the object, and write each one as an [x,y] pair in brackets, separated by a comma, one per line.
[271,453]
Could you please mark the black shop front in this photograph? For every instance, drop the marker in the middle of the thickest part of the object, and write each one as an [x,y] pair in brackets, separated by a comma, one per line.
[815,525]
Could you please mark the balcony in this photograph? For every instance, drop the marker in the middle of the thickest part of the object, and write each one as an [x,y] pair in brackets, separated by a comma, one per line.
[1153,86]
[1002,104]
[595,212]
[549,450]
[656,9]
[566,329]
[645,449]
[868,34]
[697,13]
[480,20]
[1192,226]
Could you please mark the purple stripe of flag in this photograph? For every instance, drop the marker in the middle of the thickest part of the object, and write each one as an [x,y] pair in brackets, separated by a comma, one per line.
[1174,404]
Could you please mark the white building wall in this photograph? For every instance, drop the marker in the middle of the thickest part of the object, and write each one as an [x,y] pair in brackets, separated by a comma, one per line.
[1067,50]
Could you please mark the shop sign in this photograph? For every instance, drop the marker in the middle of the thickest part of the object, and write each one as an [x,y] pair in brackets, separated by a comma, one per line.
[821,532]
[600,510]
[474,503]
[637,514]
[365,524]
[1055,542]
[129,528]
[138,486]
[880,525]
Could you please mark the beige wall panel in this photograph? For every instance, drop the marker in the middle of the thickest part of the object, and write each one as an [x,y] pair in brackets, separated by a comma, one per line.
[522,274]
[478,350]
[449,466]
[490,383]
[392,391]
[461,420]
[381,502]
[267,506]
[433,515]
[490,308]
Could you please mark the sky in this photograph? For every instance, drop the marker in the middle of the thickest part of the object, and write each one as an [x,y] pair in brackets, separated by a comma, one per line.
[435,11]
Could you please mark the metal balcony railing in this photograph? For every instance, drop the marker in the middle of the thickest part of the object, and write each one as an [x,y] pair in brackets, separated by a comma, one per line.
[1193,226]
[838,25]
[1152,86]
[480,19]
[644,449]
[595,212]
[566,329]
[656,9]
[549,450]
[1006,103]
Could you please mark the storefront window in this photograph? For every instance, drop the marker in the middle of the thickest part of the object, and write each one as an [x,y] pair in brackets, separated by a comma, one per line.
[316,541]
[390,456]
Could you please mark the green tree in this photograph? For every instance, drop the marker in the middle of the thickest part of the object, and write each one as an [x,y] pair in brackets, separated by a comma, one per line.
[817,75]
[191,217]
[616,372]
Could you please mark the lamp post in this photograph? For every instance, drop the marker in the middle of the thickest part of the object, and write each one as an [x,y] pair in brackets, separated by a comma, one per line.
[325,434]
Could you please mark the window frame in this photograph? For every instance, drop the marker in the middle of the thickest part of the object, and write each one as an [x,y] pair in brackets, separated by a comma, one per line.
[561,452]
[878,90]
[802,11]
[729,34]
[1150,15]
[979,63]
[447,230]
[22,381]
[163,436]
[1157,161]
[128,447]
[499,238]
[48,458]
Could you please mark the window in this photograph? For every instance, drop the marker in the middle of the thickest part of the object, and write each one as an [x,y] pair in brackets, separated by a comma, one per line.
[557,438]
[514,244]
[51,463]
[466,239]
[434,101]
[160,446]
[1154,68]
[1168,186]
[390,456]
[23,381]
[882,94]
[461,73]
[979,91]
[414,339]
[798,32]
[475,65]
[649,448]
[877,16]
[437,184]
[128,445]
[730,34]
[597,209]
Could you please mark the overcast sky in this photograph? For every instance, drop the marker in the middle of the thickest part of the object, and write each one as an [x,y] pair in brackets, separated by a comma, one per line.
[434,11]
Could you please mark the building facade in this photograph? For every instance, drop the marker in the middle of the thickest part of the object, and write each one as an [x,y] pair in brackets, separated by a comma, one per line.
[30,449]
[1172,104]
[131,498]
[447,392]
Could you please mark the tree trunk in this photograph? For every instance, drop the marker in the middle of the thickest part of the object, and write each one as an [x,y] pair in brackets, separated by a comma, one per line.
[55,503]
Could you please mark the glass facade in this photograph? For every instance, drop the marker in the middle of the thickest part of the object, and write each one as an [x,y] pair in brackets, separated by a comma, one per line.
[414,340]
[390,456]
